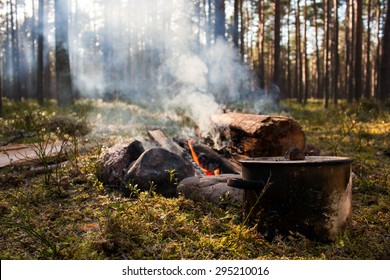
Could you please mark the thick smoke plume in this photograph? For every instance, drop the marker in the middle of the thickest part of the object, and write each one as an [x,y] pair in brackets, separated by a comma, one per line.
[156,53]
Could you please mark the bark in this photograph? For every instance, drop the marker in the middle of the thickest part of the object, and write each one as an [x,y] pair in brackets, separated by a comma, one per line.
[378,49]
[198,35]
[16,88]
[249,55]
[208,25]
[8,57]
[384,90]
[358,50]
[318,62]
[351,64]
[40,67]
[327,19]
[33,51]
[335,53]
[1,87]
[305,67]
[63,74]
[243,30]
[261,74]
[258,135]
[289,82]
[235,22]
[347,50]
[219,31]
[49,72]
[367,93]
[277,66]
[298,63]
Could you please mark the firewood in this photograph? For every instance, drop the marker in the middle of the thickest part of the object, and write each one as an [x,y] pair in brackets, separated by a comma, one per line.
[212,160]
[28,154]
[258,135]
[165,142]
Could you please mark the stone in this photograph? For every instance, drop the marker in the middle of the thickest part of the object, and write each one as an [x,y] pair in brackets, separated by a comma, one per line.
[211,188]
[115,162]
[155,166]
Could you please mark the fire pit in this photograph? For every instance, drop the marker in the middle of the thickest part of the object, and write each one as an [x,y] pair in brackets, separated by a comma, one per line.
[310,196]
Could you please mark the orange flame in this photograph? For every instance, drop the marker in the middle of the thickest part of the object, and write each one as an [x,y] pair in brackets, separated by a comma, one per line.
[196,159]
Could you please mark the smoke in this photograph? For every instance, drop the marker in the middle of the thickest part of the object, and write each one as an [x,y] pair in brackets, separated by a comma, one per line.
[155,53]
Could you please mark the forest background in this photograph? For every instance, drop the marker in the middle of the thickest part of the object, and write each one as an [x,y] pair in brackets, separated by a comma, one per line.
[230,50]
[170,65]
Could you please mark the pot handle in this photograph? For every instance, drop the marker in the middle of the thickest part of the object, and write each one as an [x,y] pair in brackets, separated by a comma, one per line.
[245,184]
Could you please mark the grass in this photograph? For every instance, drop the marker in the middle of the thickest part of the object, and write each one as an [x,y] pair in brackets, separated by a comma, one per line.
[67,213]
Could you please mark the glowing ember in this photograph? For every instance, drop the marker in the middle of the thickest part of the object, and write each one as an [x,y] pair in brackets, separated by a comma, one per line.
[196,159]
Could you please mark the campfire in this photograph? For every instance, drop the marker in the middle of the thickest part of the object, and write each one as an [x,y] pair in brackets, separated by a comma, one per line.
[202,161]
[282,201]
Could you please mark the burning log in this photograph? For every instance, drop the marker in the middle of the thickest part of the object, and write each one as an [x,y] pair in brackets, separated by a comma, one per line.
[214,161]
[258,135]
[212,171]
[205,160]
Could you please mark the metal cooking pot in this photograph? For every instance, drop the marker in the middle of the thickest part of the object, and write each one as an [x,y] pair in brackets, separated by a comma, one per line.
[310,196]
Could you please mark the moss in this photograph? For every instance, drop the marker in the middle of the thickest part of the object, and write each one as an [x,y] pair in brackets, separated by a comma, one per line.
[75,217]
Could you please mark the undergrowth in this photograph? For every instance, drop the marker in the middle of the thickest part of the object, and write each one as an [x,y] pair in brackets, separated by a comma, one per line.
[65,212]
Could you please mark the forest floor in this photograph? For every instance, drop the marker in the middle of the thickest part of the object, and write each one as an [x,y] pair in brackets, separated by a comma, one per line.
[60,210]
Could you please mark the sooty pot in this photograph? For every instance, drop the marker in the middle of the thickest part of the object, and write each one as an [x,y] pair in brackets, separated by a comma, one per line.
[310,196]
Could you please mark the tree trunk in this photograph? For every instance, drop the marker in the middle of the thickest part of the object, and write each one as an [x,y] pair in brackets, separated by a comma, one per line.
[335,53]
[277,66]
[63,74]
[219,30]
[298,63]
[305,68]
[289,84]
[248,38]
[261,74]
[40,68]
[198,30]
[208,25]
[327,19]
[16,89]
[358,50]
[8,56]
[352,37]
[378,50]
[318,62]
[1,86]
[367,93]
[33,52]
[235,22]
[347,51]
[49,73]
[384,90]
[243,30]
